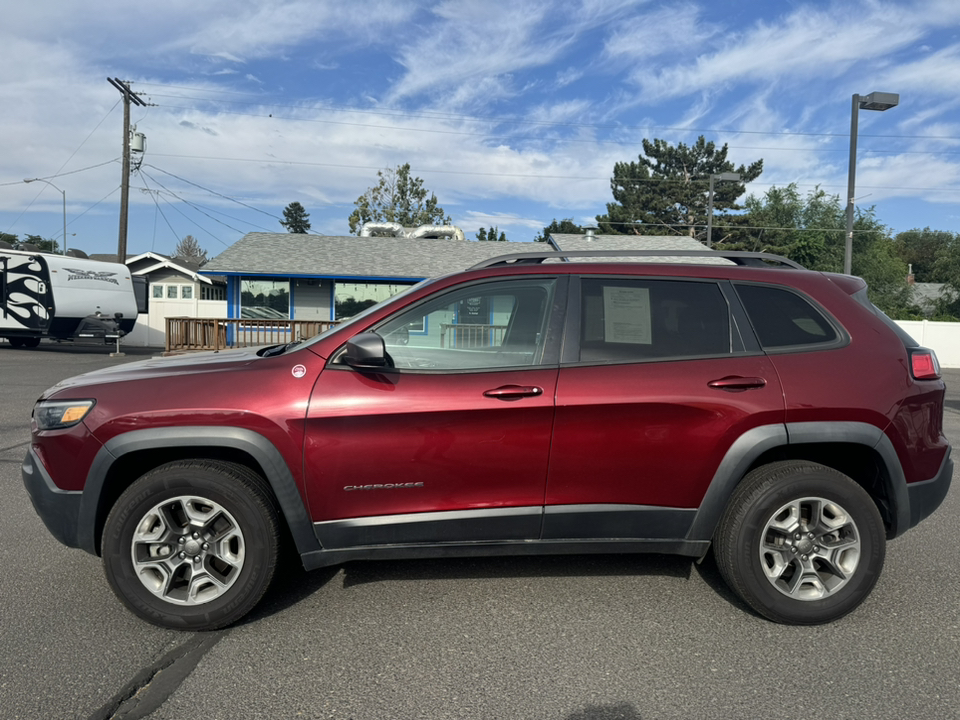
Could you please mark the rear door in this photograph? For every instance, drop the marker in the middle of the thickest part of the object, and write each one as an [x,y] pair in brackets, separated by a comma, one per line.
[656,385]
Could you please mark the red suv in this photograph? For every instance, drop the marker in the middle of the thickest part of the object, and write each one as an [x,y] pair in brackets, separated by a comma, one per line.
[528,405]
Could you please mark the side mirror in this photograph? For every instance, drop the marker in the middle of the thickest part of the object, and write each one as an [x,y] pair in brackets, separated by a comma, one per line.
[366,351]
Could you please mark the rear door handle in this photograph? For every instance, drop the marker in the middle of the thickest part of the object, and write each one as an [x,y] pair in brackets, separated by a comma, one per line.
[737,383]
[513,392]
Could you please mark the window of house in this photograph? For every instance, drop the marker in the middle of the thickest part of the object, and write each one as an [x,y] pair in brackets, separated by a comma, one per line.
[265,299]
[352,298]
[215,292]
[172,292]
[158,291]
[186,292]
[629,320]
[782,318]
[493,325]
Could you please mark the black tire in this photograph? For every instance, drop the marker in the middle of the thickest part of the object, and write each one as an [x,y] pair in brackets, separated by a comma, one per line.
[800,543]
[192,545]
[30,342]
[16,342]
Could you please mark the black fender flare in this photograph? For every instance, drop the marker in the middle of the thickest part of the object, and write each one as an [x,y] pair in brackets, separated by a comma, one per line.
[256,445]
[753,443]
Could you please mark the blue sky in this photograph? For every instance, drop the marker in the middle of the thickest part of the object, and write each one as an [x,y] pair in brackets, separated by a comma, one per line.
[513,113]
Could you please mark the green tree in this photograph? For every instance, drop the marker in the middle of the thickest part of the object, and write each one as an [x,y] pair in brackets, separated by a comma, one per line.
[295,218]
[667,192]
[8,238]
[929,252]
[493,234]
[43,244]
[810,230]
[397,197]
[565,227]
[189,249]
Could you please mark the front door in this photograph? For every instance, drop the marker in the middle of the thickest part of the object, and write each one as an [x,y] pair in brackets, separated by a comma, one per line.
[452,443]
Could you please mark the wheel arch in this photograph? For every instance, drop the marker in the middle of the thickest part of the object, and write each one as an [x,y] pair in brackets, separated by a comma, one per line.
[126,457]
[859,450]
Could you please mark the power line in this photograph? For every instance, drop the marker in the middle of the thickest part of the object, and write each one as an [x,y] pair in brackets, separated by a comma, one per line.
[195,207]
[529,176]
[430,115]
[212,192]
[595,141]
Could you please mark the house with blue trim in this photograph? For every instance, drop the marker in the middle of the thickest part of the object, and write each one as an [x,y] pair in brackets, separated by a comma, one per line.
[323,278]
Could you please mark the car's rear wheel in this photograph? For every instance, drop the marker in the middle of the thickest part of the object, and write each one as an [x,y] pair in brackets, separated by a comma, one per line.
[192,544]
[800,543]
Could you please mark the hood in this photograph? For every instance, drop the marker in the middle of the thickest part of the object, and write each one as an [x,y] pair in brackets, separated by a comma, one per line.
[159,367]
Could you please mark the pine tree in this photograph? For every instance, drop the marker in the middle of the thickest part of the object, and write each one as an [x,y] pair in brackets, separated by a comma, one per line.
[492,235]
[667,192]
[295,218]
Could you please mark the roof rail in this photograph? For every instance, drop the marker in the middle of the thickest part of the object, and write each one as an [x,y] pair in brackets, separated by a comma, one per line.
[737,257]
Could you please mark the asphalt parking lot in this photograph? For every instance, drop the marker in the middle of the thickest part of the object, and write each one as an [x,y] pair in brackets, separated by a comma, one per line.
[565,638]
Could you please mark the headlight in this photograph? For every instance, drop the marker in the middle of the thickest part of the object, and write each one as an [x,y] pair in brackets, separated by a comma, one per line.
[53,415]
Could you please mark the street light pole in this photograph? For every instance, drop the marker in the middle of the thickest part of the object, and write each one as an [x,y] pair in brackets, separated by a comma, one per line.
[717,176]
[62,192]
[879,101]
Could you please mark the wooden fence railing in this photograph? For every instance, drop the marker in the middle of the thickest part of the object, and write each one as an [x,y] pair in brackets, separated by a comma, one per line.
[471,336]
[185,333]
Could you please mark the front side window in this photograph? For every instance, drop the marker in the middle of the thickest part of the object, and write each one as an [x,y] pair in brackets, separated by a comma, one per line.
[186,292]
[784,319]
[265,299]
[631,320]
[172,292]
[158,291]
[494,325]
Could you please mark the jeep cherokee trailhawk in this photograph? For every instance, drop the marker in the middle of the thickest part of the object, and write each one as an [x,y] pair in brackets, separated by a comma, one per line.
[532,404]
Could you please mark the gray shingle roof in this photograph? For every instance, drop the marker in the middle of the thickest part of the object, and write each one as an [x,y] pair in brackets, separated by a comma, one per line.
[295,254]
[567,241]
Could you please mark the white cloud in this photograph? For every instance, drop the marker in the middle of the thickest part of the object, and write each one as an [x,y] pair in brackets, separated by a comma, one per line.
[675,31]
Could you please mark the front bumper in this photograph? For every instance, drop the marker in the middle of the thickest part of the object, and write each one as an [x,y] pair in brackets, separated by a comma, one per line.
[59,509]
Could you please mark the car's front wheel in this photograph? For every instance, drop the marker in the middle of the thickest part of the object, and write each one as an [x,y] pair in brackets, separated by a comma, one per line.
[192,544]
[800,543]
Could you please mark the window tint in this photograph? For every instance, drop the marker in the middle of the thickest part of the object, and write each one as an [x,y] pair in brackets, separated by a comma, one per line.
[624,320]
[783,318]
[500,324]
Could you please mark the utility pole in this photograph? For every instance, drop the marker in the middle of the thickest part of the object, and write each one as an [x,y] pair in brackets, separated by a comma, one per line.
[128,97]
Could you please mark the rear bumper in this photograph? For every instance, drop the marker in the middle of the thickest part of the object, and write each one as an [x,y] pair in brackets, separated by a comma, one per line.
[59,509]
[926,496]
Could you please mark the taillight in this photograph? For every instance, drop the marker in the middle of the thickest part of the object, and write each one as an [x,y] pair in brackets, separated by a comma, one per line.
[923,364]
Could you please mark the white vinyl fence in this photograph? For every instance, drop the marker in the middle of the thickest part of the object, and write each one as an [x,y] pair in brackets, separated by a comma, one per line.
[941,337]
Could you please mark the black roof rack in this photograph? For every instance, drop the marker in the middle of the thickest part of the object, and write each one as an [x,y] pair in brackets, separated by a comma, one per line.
[737,257]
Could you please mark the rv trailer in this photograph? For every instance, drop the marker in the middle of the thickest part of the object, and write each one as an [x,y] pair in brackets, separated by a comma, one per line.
[65,297]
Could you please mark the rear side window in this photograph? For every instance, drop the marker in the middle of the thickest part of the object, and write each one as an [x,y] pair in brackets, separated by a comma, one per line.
[784,319]
[629,320]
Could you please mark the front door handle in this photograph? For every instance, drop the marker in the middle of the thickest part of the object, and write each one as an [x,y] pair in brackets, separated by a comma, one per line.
[735,383]
[513,392]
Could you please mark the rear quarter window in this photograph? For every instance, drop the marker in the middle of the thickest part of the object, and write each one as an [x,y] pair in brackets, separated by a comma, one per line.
[785,319]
